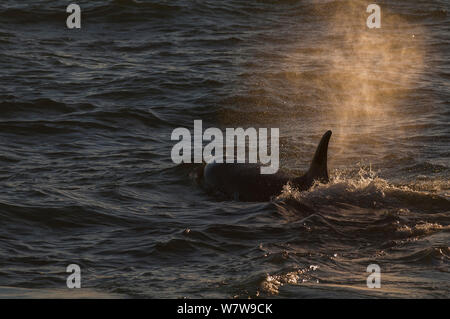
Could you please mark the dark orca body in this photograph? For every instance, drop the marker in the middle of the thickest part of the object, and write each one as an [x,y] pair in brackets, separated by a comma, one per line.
[246,183]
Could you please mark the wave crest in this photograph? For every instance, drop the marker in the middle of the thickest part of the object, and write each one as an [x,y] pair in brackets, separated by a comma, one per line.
[364,188]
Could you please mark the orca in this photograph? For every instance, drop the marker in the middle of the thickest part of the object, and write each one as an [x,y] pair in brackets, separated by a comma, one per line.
[244,181]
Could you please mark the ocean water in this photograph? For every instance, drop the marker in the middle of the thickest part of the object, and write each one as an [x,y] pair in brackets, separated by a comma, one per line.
[86,175]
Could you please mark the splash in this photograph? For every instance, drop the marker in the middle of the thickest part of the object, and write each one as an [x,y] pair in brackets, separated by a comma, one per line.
[421,229]
[364,181]
[364,187]
[272,283]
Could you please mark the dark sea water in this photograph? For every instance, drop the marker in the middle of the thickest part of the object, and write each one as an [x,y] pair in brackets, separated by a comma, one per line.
[86,175]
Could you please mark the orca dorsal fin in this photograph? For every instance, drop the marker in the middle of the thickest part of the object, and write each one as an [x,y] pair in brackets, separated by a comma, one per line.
[318,169]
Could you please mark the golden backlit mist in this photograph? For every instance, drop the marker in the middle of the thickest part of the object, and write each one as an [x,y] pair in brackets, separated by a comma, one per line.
[365,75]
[340,75]
[371,72]
[370,67]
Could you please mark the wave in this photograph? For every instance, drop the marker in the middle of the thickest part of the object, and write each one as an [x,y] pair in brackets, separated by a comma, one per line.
[111,11]
[47,127]
[37,106]
[47,116]
[118,11]
[367,190]
[69,216]
[272,283]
